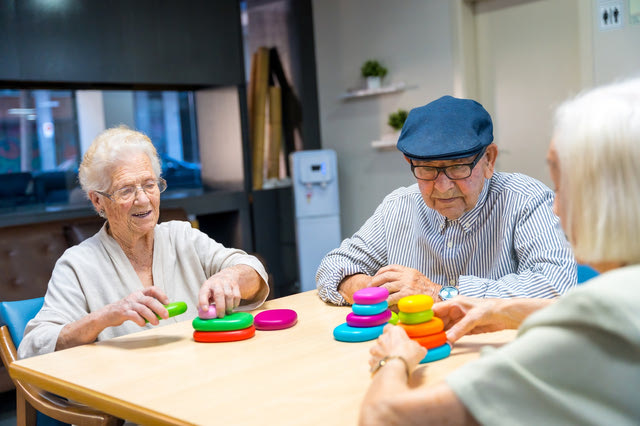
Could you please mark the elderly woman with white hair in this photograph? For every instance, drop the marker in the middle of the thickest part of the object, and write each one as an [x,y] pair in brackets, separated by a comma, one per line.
[575,360]
[115,282]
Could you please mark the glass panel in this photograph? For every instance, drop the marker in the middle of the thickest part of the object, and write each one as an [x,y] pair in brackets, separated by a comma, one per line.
[44,133]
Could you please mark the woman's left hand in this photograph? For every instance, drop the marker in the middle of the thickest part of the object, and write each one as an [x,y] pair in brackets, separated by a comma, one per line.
[395,342]
[223,289]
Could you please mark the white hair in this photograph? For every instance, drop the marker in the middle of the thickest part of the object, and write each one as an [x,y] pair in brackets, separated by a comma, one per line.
[110,149]
[597,140]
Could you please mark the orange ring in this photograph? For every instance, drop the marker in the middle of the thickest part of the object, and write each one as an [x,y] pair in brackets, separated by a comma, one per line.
[433,340]
[433,326]
[224,336]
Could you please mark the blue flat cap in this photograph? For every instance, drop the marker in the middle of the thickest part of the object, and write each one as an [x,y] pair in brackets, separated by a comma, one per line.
[446,129]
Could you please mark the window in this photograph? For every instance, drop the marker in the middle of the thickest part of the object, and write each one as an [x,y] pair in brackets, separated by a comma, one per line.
[44,133]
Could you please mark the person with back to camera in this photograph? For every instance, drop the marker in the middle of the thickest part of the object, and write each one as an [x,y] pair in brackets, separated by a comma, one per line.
[461,229]
[575,360]
[108,285]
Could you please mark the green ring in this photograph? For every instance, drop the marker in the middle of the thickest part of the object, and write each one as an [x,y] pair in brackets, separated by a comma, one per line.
[415,317]
[175,308]
[394,318]
[234,321]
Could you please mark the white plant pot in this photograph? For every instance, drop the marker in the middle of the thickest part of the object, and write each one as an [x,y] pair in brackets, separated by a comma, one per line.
[374,83]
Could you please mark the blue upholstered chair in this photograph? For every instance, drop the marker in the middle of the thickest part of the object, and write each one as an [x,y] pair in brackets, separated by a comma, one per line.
[585,273]
[51,409]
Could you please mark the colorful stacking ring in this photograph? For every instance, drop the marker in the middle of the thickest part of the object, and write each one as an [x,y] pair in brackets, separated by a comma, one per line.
[432,340]
[175,308]
[374,309]
[224,336]
[415,303]
[210,313]
[368,320]
[394,318]
[275,319]
[415,317]
[436,354]
[370,295]
[345,333]
[417,330]
[234,321]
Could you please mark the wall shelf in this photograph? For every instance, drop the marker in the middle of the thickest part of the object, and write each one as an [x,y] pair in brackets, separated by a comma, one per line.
[361,93]
[387,142]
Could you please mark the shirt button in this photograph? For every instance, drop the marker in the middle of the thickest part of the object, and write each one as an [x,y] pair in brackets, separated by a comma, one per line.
[450,244]
[452,282]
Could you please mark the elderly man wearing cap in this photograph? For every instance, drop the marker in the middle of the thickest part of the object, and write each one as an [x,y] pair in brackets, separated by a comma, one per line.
[461,229]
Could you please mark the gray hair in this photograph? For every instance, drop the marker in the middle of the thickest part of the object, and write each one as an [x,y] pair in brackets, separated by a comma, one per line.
[107,151]
[597,140]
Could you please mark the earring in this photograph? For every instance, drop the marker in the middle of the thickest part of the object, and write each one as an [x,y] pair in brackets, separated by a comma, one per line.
[101,214]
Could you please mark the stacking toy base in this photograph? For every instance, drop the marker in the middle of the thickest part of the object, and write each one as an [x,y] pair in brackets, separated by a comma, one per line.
[346,333]
[224,336]
[436,354]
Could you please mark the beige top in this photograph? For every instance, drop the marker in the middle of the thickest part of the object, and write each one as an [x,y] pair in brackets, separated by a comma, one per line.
[97,272]
[575,362]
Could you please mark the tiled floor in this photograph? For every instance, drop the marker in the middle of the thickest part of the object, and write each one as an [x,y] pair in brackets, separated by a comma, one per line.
[8,408]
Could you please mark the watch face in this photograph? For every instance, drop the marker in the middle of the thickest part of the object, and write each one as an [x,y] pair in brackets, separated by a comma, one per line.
[448,292]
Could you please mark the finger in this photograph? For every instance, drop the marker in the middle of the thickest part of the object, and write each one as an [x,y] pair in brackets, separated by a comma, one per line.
[204,296]
[462,327]
[133,315]
[154,305]
[145,312]
[441,309]
[237,297]
[390,268]
[228,298]
[219,298]
[381,279]
[157,293]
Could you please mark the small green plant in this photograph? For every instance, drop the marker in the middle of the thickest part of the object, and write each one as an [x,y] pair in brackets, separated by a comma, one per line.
[397,119]
[373,68]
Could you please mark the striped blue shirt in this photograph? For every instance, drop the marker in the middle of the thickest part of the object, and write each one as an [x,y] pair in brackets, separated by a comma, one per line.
[509,245]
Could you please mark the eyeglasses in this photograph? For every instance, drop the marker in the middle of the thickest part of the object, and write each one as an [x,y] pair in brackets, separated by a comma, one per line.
[453,172]
[129,193]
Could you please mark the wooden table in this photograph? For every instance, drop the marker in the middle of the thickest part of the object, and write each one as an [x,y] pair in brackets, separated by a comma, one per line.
[288,377]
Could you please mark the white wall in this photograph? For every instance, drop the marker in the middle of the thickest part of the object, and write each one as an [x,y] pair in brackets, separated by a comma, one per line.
[528,60]
[413,39]
[616,53]
[519,58]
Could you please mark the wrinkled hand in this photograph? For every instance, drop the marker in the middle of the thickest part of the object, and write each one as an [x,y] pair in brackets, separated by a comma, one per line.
[402,281]
[395,342]
[138,306]
[468,315]
[223,289]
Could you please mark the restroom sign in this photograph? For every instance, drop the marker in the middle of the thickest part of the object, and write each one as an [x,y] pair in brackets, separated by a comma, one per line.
[610,14]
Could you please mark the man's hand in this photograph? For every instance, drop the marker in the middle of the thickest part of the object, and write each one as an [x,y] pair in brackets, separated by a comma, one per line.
[402,281]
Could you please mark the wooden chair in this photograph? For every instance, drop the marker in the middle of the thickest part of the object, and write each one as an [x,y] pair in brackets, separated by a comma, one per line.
[30,399]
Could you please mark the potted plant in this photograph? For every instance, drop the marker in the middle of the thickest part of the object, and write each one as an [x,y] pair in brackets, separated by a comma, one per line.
[397,119]
[373,72]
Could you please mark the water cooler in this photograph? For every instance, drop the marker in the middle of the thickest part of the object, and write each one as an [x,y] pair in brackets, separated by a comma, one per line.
[317,209]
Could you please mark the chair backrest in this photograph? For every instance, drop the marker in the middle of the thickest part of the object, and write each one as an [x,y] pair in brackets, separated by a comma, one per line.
[585,273]
[17,314]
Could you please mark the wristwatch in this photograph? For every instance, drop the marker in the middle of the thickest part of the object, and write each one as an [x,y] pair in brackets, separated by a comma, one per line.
[448,292]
